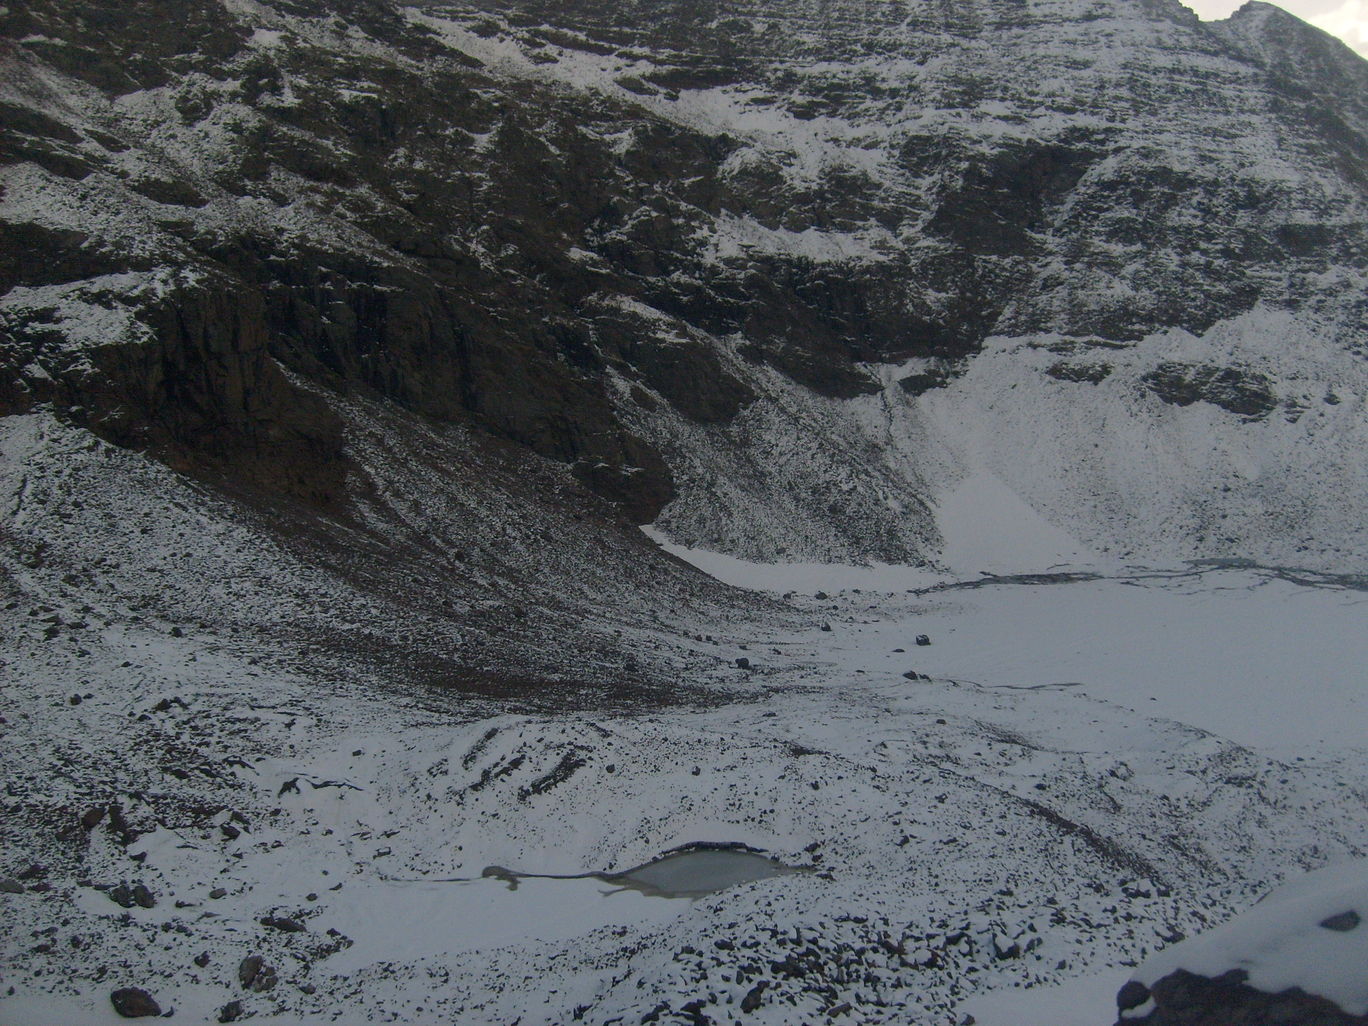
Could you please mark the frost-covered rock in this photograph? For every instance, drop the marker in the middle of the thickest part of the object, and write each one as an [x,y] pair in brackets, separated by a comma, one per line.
[1298,958]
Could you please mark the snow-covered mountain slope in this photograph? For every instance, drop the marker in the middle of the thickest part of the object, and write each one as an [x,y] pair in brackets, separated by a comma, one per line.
[344,346]
[451,577]
[689,252]
[277,796]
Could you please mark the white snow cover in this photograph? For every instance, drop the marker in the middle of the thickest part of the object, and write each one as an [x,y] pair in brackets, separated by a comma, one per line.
[1026,818]
[1282,943]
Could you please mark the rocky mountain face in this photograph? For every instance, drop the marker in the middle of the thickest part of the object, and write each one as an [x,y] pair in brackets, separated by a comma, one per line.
[768,274]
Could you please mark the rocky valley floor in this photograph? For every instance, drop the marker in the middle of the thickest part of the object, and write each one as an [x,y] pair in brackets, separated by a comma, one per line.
[192,810]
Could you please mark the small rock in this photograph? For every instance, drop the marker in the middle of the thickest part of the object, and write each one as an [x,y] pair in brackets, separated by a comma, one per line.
[753,998]
[923,639]
[821,596]
[255,975]
[249,969]
[11,886]
[742,663]
[34,872]
[283,924]
[91,818]
[134,1003]
[218,892]
[202,959]
[142,896]
[826,626]
[1005,948]
[75,699]
[229,831]
[230,1012]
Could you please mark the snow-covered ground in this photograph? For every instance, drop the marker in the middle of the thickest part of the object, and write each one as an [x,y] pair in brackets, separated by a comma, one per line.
[1101,762]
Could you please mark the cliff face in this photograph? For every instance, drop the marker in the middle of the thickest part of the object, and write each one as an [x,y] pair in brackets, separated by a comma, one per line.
[738,266]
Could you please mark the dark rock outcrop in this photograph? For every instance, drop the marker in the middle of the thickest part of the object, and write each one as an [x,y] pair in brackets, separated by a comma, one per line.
[1186,999]
[1247,394]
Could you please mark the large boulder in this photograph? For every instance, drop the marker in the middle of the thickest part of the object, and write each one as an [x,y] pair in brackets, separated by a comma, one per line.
[134,1003]
[1298,958]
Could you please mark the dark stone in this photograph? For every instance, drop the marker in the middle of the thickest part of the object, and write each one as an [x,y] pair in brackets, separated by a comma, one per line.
[742,663]
[229,831]
[218,892]
[11,886]
[283,923]
[142,896]
[826,626]
[230,1012]
[249,969]
[1132,995]
[923,639]
[1342,922]
[134,1003]
[202,959]
[91,817]
[1009,950]
[754,997]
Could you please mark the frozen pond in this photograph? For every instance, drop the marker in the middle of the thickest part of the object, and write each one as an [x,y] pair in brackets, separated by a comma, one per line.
[690,872]
[395,920]
[698,871]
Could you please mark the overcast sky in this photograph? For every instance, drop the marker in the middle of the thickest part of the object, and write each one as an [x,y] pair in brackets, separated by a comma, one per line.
[1347,19]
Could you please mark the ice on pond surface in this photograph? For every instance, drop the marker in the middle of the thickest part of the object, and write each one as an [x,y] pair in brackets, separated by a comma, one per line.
[393,920]
[698,871]
[688,872]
